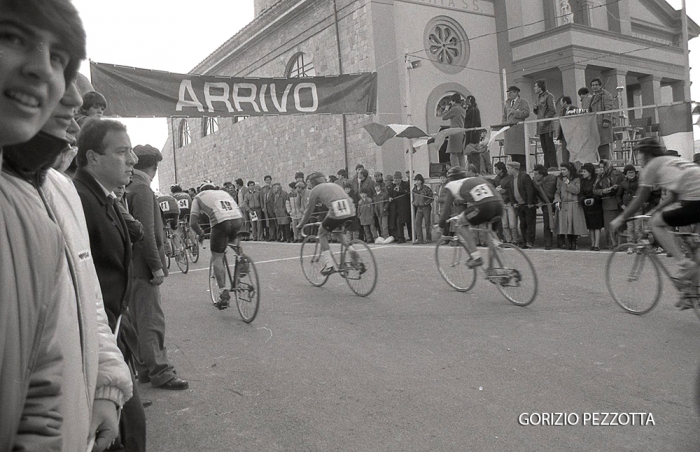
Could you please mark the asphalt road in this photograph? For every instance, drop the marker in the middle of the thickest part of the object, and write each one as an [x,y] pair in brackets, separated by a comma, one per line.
[417,366]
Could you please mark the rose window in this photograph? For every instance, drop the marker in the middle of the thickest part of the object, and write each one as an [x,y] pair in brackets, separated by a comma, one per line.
[446,44]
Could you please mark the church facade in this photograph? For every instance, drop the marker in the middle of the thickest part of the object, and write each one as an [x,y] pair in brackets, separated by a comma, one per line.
[423,51]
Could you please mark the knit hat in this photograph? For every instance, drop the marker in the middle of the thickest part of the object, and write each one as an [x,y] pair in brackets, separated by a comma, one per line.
[515,165]
[298,175]
[629,168]
[378,174]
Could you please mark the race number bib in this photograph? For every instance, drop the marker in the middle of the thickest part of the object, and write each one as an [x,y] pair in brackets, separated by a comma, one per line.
[164,206]
[183,203]
[341,208]
[480,192]
[226,205]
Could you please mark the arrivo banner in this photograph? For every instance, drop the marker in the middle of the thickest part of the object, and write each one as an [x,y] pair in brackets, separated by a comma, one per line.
[135,92]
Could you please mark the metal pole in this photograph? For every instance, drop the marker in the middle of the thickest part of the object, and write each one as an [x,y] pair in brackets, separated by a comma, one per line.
[340,70]
[686,60]
[172,129]
[410,145]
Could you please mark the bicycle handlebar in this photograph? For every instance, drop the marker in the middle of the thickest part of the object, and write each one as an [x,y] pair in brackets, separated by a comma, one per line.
[303,234]
[639,217]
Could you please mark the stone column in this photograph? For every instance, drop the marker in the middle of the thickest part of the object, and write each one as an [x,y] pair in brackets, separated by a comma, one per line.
[651,94]
[573,77]
[678,89]
[615,78]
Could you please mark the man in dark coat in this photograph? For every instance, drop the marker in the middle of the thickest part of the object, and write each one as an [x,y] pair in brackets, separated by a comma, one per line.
[522,195]
[145,311]
[402,195]
[99,146]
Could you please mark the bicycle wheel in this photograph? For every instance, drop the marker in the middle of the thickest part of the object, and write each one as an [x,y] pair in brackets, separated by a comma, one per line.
[450,257]
[214,288]
[312,262]
[247,289]
[192,246]
[513,274]
[180,254]
[634,280]
[360,268]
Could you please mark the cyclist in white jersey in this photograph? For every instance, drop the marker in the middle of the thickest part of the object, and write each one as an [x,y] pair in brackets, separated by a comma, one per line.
[341,209]
[681,179]
[226,220]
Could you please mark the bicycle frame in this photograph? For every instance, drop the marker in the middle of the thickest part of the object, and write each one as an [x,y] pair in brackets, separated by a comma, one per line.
[491,244]
[340,266]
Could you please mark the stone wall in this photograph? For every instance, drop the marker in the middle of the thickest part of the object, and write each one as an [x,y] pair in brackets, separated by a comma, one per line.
[280,146]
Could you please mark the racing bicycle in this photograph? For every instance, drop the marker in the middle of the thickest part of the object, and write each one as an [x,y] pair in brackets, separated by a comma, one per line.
[357,264]
[633,277]
[507,266]
[241,280]
[175,248]
[190,240]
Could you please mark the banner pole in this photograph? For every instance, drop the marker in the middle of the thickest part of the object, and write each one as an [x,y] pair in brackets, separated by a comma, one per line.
[410,144]
[172,130]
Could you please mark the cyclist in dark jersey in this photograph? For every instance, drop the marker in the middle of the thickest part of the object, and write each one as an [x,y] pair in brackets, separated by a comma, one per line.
[169,210]
[479,202]
[340,207]
[226,220]
[184,202]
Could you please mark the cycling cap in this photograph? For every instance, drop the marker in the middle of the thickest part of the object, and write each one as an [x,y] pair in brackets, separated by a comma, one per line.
[649,146]
[456,173]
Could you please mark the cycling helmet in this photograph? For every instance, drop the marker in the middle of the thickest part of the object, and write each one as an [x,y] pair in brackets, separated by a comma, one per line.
[206,186]
[456,173]
[315,175]
[175,188]
[650,148]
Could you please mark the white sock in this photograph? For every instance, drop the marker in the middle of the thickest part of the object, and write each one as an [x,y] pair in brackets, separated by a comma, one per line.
[328,258]
[476,255]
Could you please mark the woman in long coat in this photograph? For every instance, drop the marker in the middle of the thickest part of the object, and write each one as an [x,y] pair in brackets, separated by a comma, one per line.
[592,205]
[570,221]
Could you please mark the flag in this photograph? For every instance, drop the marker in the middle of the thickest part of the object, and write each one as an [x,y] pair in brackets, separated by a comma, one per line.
[676,129]
[438,137]
[381,133]
[582,138]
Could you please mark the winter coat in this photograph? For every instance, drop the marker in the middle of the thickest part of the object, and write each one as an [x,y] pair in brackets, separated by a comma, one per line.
[471,120]
[608,179]
[253,198]
[381,203]
[422,196]
[403,201]
[546,186]
[569,217]
[506,184]
[149,254]
[367,186]
[278,200]
[365,211]
[627,190]
[545,109]
[603,101]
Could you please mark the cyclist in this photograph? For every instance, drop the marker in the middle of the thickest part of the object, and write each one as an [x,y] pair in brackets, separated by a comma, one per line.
[681,179]
[184,202]
[169,212]
[340,207]
[226,220]
[479,202]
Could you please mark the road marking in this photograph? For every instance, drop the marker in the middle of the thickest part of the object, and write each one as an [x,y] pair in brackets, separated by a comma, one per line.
[282,259]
